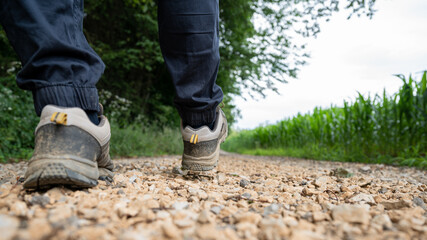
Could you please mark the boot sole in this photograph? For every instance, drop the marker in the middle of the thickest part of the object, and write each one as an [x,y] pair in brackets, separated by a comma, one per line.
[70,171]
[205,163]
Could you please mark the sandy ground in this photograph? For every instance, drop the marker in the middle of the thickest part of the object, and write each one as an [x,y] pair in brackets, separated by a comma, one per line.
[244,198]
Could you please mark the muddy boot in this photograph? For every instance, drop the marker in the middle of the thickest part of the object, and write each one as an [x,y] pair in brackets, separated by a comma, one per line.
[69,150]
[201,145]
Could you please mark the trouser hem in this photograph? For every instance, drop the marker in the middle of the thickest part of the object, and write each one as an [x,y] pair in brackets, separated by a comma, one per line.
[83,97]
[198,118]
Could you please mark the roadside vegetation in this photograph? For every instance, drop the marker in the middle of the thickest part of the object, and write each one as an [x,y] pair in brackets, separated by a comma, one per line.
[140,138]
[379,129]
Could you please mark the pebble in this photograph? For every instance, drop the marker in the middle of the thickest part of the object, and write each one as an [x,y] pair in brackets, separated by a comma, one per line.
[284,199]
[41,200]
[244,183]
[180,205]
[221,178]
[8,226]
[383,220]
[204,217]
[19,209]
[215,209]
[389,205]
[39,228]
[351,214]
[363,198]
[170,230]
[60,213]
[383,190]
[246,195]
[365,169]
[322,181]
[419,202]
[273,208]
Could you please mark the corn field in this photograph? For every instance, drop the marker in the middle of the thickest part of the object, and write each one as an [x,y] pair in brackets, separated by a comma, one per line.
[380,129]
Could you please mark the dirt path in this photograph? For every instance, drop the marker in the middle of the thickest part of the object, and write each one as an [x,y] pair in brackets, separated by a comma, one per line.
[246,198]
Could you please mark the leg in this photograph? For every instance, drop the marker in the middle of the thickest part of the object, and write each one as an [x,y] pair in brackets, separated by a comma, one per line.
[61,70]
[59,66]
[188,32]
[190,45]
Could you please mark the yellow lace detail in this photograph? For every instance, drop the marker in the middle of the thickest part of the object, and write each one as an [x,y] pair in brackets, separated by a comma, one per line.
[59,118]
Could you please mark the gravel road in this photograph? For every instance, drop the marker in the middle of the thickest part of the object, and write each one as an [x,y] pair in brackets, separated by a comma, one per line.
[244,198]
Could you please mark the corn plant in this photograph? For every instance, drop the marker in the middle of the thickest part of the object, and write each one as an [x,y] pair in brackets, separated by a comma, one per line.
[389,129]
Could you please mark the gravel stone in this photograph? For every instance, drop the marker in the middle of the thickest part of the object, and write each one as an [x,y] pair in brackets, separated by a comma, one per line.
[215,209]
[351,214]
[41,200]
[419,202]
[244,183]
[285,199]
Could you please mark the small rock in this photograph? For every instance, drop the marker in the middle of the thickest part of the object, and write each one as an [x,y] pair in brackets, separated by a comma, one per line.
[170,230]
[163,215]
[204,217]
[273,229]
[273,208]
[91,214]
[168,190]
[122,210]
[121,192]
[383,220]
[39,228]
[419,202]
[319,216]
[180,205]
[62,212]
[207,231]
[306,234]
[215,209]
[322,181]
[221,178]
[178,170]
[244,183]
[363,198]
[341,172]
[184,223]
[8,226]
[246,195]
[55,194]
[378,199]
[389,205]
[250,217]
[19,209]
[268,199]
[365,169]
[383,190]
[351,214]
[308,192]
[40,200]
[132,179]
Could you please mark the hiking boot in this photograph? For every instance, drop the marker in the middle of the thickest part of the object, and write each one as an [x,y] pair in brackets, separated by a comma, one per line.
[201,145]
[69,150]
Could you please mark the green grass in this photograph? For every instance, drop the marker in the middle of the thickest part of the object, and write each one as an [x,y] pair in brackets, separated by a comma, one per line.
[379,129]
[141,140]
[18,121]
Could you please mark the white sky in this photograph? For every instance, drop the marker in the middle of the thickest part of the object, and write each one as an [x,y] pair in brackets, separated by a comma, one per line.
[349,56]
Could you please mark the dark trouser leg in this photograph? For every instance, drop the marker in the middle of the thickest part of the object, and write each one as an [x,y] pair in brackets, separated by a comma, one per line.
[189,41]
[58,65]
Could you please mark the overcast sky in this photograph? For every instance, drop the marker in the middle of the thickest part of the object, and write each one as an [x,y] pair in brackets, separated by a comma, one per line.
[349,56]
